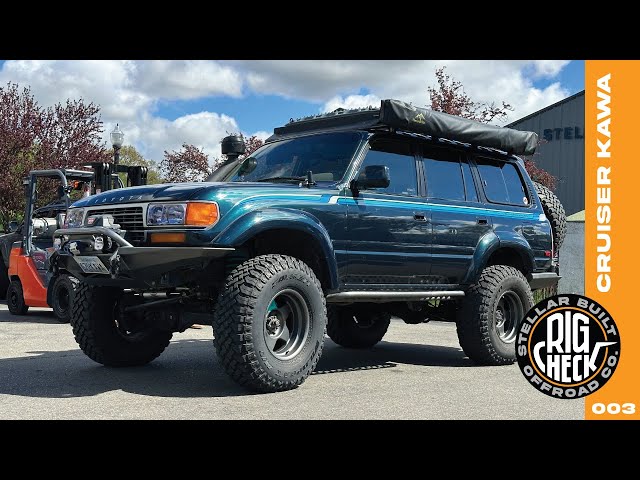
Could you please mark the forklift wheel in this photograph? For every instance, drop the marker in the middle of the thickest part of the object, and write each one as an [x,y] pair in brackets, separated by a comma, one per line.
[62,297]
[15,299]
[4,279]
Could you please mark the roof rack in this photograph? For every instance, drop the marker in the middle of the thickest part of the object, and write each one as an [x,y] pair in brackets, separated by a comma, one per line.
[399,115]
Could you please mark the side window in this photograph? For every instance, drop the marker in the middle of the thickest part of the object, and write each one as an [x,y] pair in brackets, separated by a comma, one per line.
[402,167]
[444,178]
[502,182]
[515,187]
[469,185]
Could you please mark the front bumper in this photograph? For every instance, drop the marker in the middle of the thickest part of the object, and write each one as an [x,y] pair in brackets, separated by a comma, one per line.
[135,267]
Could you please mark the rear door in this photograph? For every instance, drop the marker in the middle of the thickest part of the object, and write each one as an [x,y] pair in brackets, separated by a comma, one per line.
[458,218]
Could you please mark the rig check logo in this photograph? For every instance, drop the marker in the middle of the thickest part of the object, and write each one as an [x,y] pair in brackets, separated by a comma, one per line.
[568,346]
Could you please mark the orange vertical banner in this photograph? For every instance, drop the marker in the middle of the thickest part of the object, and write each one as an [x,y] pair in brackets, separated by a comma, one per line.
[612,216]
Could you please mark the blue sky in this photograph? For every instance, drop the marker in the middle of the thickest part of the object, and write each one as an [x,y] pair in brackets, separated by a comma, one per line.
[162,104]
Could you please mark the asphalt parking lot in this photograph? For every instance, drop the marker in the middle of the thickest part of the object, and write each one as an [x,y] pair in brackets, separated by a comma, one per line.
[418,372]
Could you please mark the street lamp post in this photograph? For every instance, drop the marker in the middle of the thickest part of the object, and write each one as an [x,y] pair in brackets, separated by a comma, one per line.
[117,137]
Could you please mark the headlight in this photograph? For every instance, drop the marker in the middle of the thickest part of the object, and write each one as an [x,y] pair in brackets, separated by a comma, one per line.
[74,218]
[200,214]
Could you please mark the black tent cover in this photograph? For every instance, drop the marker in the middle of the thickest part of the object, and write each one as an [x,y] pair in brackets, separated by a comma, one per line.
[403,116]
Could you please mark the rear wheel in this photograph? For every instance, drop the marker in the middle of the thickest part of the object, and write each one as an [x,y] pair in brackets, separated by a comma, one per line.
[491,313]
[15,298]
[356,327]
[62,297]
[108,335]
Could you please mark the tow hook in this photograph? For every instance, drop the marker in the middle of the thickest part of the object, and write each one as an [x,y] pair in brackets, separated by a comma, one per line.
[114,264]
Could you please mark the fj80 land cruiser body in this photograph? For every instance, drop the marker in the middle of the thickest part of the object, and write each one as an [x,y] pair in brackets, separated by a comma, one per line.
[335,224]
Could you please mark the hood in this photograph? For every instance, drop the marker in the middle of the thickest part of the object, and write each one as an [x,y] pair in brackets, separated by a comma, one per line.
[146,193]
[213,191]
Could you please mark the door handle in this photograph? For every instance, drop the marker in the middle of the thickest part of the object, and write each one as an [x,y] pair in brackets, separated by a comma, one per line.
[483,221]
[420,217]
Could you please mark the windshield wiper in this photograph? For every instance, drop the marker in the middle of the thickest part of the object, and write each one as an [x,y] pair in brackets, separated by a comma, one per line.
[306,180]
[282,179]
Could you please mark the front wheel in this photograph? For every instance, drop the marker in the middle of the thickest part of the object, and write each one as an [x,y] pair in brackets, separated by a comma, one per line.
[269,323]
[108,335]
[62,297]
[491,314]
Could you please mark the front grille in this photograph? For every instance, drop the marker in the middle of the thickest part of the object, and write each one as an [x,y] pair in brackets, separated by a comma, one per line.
[129,218]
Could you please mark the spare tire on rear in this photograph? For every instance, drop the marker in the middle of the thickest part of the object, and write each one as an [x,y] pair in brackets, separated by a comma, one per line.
[554,211]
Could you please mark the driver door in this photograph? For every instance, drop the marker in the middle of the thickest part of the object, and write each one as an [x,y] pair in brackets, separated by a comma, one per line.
[389,229]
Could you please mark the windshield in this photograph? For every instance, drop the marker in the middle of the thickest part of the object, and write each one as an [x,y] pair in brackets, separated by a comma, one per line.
[327,156]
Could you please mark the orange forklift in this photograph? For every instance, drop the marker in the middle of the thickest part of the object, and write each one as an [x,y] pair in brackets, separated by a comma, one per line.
[32,282]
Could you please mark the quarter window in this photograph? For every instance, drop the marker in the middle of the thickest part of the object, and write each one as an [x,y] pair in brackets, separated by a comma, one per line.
[502,183]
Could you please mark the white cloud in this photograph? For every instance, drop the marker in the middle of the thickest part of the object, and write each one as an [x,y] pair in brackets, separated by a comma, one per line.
[129,92]
[334,82]
[261,134]
[351,101]
[187,79]
[105,82]
[549,68]
[154,135]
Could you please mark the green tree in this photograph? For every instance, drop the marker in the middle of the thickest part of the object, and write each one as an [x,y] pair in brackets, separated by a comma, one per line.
[33,137]
[130,156]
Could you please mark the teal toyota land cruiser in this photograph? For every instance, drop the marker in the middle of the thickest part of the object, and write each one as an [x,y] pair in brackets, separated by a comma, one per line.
[336,224]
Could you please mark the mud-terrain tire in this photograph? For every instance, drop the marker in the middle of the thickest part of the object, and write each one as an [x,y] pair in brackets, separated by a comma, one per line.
[62,297]
[109,337]
[354,327]
[554,211]
[15,298]
[269,323]
[491,312]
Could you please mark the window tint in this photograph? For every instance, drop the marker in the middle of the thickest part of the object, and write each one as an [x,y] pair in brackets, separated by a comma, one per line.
[401,163]
[444,179]
[502,183]
[515,187]
[470,187]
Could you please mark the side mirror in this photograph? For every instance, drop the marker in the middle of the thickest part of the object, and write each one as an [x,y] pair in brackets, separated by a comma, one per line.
[13,226]
[60,220]
[373,176]
[248,166]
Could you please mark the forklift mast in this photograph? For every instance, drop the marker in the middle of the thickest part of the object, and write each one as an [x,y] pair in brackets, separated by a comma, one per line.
[106,174]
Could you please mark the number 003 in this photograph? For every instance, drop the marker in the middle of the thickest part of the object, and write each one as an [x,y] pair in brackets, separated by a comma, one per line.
[614,408]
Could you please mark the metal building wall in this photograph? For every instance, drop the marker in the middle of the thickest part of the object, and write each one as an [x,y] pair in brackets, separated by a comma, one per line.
[562,154]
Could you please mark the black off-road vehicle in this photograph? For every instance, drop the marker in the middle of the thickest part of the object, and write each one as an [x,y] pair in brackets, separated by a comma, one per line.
[336,224]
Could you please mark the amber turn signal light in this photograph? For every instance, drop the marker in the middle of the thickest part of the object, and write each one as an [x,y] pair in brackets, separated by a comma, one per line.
[201,214]
[168,237]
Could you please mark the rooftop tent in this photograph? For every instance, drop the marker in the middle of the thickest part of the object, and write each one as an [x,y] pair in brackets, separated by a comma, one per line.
[403,116]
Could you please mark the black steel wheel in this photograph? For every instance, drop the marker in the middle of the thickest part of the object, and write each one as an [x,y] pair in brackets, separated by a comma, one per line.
[15,299]
[62,297]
